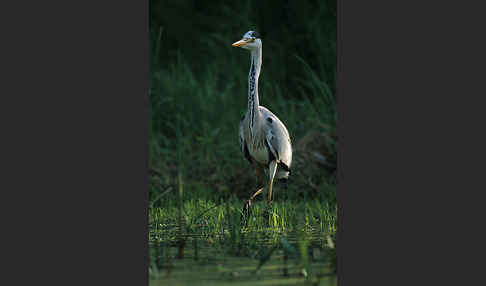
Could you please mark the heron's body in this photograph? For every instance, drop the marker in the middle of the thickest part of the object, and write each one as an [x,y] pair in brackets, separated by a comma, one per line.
[264,146]
[264,139]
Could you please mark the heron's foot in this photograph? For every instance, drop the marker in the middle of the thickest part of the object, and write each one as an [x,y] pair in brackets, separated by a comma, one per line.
[246,211]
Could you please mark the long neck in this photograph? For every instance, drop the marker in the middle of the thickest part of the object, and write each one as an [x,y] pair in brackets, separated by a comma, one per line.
[253,102]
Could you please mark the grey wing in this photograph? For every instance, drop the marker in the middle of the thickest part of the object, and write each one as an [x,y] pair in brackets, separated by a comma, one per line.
[278,139]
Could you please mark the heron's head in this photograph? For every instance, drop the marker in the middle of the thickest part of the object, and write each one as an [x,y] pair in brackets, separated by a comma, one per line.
[250,41]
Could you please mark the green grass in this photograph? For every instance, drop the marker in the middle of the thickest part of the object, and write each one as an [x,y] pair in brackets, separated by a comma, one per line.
[209,220]
[213,234]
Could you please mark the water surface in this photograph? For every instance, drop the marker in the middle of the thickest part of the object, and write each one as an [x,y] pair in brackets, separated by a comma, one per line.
[222,260]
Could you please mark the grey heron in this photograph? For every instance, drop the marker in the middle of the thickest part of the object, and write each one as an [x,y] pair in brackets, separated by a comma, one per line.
[263,138]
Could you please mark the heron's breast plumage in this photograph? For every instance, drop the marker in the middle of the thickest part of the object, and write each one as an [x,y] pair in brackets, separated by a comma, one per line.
[259,153]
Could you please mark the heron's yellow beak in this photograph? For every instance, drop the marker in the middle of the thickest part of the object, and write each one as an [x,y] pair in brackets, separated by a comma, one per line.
[240,43]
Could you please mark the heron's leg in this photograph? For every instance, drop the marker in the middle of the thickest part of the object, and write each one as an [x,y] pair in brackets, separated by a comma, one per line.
[247,207]
[256,194]
[272,170]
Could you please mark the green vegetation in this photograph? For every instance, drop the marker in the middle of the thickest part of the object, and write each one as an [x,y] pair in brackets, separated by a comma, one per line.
[198,176]
[297,240]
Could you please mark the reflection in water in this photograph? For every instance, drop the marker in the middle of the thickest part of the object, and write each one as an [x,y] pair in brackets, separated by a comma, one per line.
[249,258]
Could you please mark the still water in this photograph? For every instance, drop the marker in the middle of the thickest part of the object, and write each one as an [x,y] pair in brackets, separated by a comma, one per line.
[263,258]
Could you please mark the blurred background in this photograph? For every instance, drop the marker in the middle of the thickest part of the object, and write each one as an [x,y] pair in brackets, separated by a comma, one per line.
[199,86]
